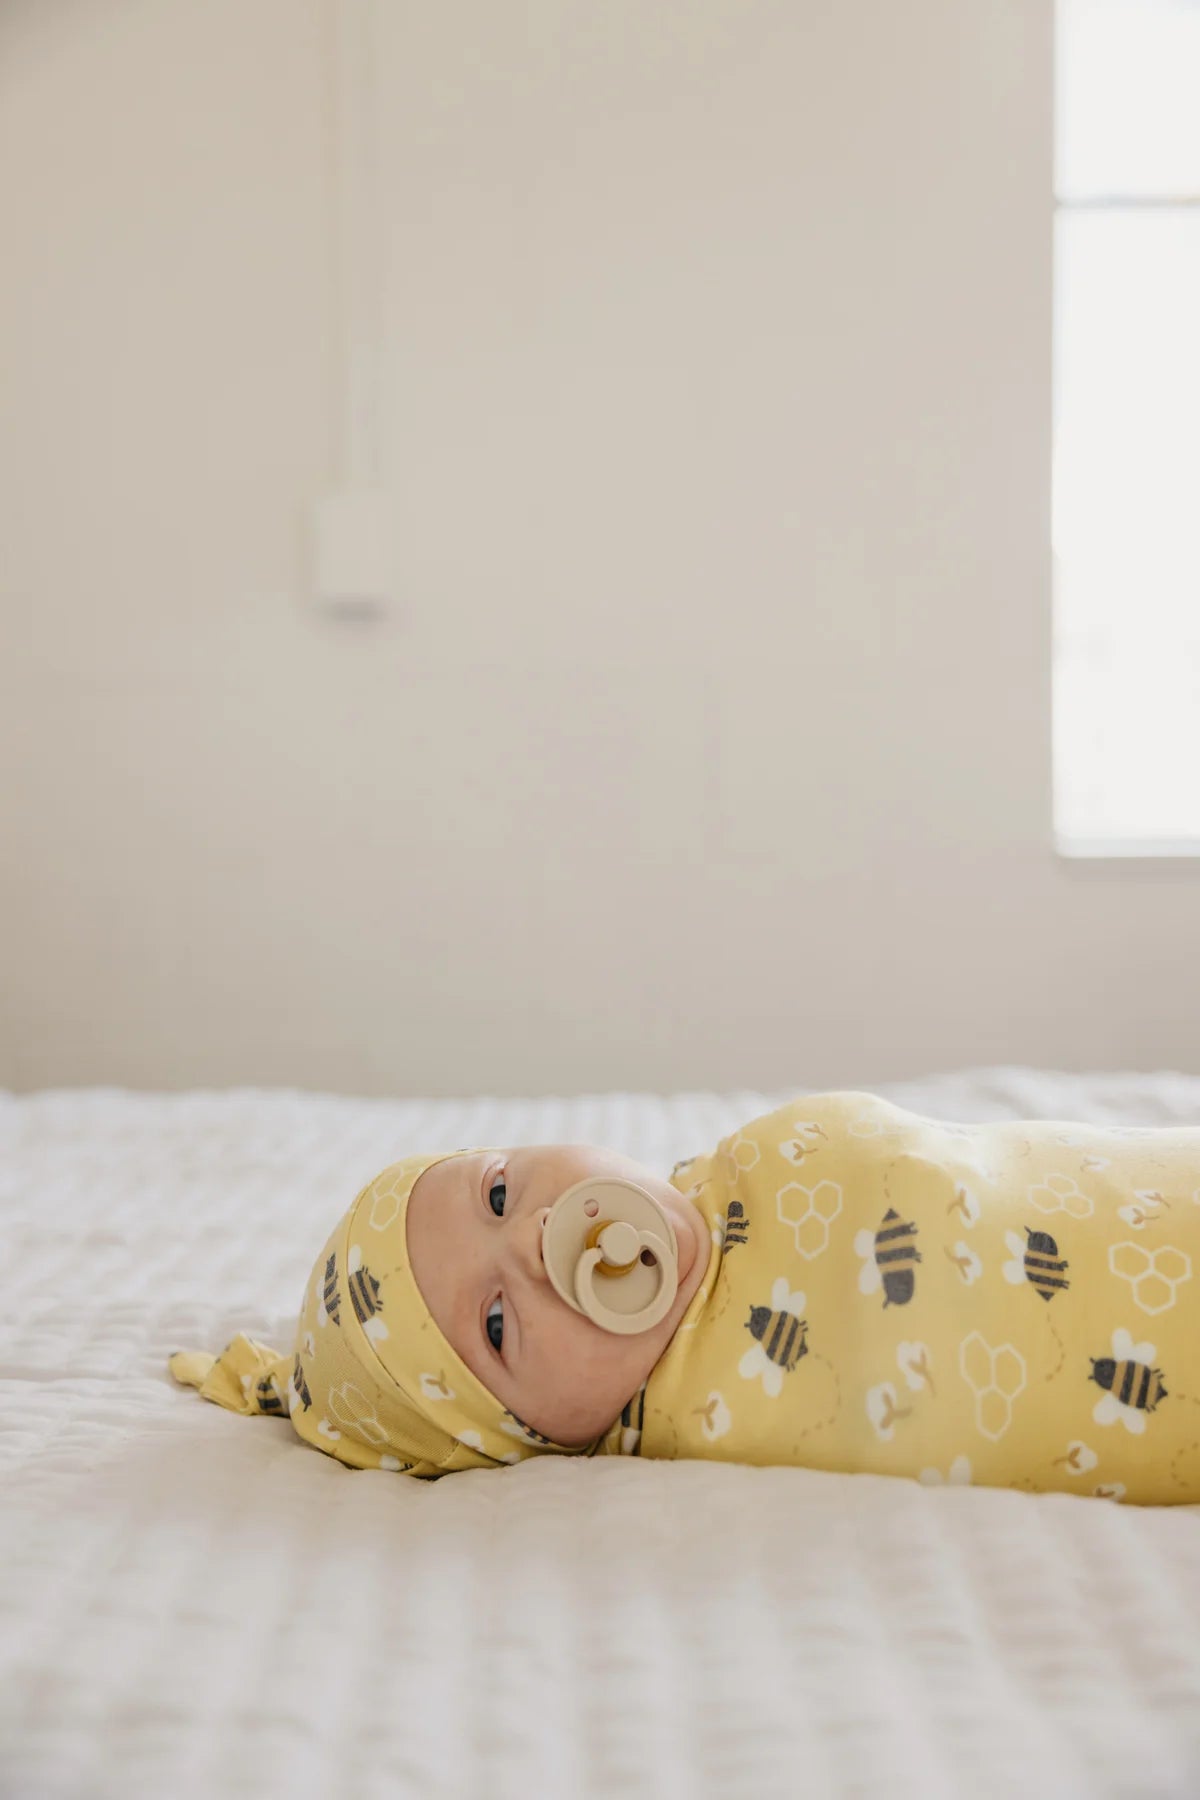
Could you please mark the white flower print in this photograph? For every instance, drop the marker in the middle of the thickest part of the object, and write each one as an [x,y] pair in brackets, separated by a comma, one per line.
[716,1417]
[1079,1459]
[883,1411]
[969,1266]
[913,1360]
[1110,1490]
[435,1387]
[807,1141]
[1144,1209]
[966,1204]
[958,1474]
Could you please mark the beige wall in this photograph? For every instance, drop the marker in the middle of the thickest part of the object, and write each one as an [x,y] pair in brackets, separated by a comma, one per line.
[710,744]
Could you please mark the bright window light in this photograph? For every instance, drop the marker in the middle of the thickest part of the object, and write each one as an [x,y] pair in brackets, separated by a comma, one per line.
[1126,473]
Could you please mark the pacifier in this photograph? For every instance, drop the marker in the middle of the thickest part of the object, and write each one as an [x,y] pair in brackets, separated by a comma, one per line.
[610,1252]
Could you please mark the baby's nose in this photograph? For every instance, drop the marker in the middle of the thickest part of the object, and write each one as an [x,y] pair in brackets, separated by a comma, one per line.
[533,1245]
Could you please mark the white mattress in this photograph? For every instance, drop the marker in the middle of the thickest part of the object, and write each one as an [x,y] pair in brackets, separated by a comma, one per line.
[195,1604]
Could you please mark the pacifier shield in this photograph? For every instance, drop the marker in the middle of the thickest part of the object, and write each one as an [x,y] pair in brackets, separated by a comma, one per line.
[611,1253]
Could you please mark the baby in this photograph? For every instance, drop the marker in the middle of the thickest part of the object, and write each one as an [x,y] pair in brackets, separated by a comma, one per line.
[840,1284]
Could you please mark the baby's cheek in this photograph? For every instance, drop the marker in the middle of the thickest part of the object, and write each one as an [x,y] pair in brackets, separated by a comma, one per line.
[612,1363]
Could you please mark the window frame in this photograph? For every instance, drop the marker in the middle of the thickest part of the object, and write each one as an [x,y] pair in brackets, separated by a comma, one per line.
[1115,849]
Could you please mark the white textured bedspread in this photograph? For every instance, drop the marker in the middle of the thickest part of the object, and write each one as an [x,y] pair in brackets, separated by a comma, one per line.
[195,1604]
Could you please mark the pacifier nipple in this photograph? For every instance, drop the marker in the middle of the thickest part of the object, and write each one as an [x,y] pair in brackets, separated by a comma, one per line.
[609,1233]
[618,1243]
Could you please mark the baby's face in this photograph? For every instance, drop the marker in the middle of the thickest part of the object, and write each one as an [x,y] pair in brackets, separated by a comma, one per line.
[475,1249]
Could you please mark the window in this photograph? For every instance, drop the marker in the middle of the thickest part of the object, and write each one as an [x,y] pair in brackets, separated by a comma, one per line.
[1126,470]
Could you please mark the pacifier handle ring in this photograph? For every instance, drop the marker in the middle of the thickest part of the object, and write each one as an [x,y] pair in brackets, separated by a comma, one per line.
[625,1324]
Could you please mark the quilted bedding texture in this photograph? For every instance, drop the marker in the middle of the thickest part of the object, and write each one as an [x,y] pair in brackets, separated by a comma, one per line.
[194,1604]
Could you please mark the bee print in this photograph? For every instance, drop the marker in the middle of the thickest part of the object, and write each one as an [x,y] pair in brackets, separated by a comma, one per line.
[737,1225]
[269,1399]
[632,1419]
[781,1338]
[782,1335]
[1132,1386]
[330,1300]
[364,1296]
[889,1259]
[1037,1261]
[301,1386]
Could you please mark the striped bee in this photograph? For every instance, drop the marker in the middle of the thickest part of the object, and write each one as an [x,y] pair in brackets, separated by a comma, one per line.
[269,1399]
[782,1335]
[1133,1387]
[633,1415]
[1036,1261]
[889,1259]
[330,1300]
[364,1296]
[300,1386]
[737,1225]
[781,1338]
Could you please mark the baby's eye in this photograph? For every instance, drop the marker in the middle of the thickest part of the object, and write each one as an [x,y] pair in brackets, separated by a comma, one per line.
[495,1324]
[498,1210]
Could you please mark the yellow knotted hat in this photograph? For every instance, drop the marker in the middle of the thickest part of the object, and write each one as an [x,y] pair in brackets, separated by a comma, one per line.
[371,1379]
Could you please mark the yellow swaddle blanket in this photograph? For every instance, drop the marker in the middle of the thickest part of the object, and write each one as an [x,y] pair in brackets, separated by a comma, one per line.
[1011,1305]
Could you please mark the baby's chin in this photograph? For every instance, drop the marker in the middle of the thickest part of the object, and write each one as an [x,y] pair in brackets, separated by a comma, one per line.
[691,1237]
[692,1240]
[691,1234]
[691,1229]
